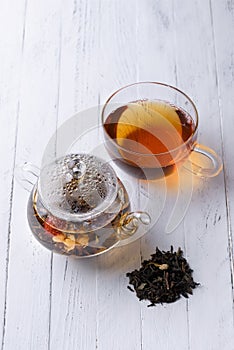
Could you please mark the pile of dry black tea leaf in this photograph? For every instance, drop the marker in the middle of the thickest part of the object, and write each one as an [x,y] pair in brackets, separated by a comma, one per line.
[163,278]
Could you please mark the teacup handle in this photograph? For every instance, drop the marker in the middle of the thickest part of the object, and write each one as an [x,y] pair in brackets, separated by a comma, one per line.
[129,224]
[26,175]
[198,170]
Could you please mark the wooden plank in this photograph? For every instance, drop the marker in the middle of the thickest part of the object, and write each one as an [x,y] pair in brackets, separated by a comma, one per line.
[118,313]
[28,290]
[11,40]
[224,50]
[165,327]
[206,241]
[73,303]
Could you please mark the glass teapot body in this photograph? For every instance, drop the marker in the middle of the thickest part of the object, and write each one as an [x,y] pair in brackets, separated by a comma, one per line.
[78,207]
[89,238]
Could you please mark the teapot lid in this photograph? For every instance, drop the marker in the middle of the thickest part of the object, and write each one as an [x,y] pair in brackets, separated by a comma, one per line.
[77,187]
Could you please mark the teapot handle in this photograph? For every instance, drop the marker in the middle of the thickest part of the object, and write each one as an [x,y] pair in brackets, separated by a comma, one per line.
[26,175]
[130,226]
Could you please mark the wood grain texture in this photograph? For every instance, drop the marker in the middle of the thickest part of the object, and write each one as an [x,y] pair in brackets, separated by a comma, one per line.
[206,222]
[157,62]
[27,303]
[58,58]
[73,294]
[118,316]
[11,44]
[224,51]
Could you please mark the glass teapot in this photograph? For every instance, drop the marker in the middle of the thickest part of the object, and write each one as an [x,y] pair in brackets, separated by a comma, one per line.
[78,207]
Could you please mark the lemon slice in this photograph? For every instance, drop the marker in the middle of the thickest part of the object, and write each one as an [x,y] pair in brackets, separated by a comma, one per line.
[149,127]
[166,111]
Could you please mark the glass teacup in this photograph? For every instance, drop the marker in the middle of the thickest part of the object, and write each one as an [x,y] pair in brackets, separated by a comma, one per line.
[150,128]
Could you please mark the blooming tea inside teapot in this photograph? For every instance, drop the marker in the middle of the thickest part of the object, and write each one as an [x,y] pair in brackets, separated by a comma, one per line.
[79,207]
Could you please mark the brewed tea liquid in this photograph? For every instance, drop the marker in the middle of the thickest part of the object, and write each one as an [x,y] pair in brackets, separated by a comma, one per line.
[149,134]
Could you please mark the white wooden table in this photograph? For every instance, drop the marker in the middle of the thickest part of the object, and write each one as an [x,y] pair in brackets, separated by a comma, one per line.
[57,58]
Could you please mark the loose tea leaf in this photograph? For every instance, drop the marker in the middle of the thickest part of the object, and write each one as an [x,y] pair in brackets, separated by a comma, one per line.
[163,278]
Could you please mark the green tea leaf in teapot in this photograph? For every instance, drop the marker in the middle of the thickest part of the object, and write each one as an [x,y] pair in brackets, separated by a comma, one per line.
[164,278]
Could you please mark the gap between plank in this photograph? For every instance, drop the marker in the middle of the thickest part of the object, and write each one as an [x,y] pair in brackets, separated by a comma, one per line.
[184,234]
[55,154]
[12,187]
[230,240]
[9,229]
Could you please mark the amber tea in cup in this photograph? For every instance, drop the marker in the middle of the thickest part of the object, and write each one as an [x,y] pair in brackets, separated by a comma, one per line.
[150,128]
